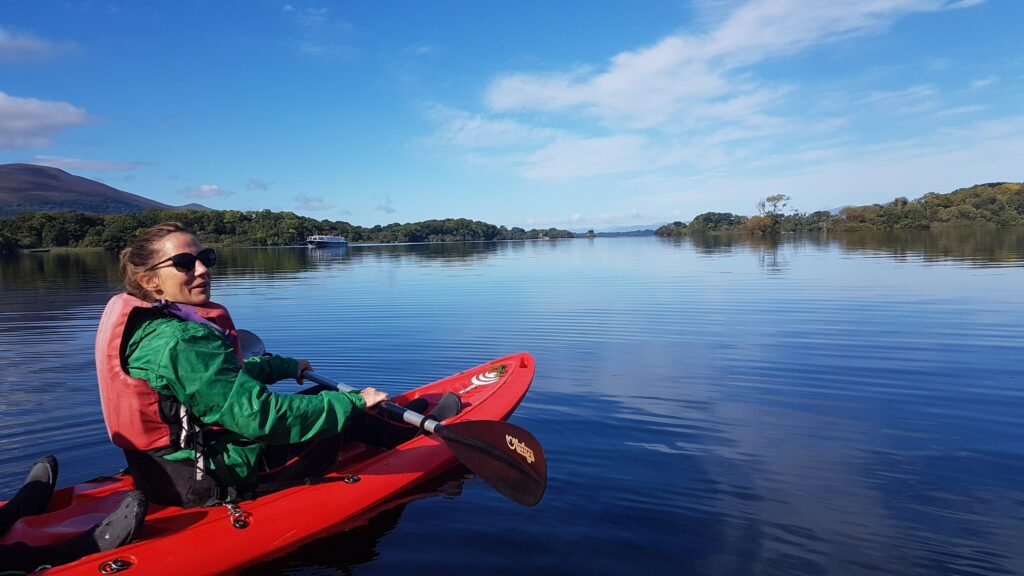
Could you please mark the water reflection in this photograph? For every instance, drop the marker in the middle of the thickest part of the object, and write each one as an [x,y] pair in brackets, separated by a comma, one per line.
[68,269]
[267,262]
[977,245]
[714,405]
[974,245]
[454,252]
[86,271]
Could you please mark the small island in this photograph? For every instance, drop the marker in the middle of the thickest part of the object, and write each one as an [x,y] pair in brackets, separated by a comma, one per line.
[996,204]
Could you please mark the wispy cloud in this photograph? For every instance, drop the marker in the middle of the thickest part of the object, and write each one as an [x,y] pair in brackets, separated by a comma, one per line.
[984,82]
[78,164]
[465,129]
[961,110]
[319,33]
[204,192]
[254,184]
[312,203]
[682,77]
[911,100]
[691,99]
[422,50]
[24,47]
[570,158]
[32,123]
[388,207]
[938,162]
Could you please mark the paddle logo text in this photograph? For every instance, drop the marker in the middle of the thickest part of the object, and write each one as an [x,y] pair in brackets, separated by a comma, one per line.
[482,379]
[522,449]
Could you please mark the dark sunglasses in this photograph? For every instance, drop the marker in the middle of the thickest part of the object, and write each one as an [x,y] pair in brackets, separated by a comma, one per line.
[186,262]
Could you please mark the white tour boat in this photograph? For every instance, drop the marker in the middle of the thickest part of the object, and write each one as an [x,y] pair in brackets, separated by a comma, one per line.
[325,241]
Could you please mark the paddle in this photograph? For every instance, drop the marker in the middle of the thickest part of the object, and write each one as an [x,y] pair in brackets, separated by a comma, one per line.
[503,455]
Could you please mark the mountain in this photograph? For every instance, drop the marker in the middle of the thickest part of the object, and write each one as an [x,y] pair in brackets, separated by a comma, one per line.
[31,188]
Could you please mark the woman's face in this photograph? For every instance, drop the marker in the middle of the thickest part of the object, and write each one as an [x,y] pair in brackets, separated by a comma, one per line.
[166,281]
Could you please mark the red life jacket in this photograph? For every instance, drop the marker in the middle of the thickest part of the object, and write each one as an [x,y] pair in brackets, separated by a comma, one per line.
[130,407]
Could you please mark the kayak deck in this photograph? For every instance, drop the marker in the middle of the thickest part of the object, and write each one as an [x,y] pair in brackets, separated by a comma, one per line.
[207,541]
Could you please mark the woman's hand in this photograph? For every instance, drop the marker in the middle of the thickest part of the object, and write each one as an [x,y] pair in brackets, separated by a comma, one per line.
[303,366]
[372,396]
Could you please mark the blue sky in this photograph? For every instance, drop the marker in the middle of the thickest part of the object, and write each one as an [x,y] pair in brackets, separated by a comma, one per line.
[576,114]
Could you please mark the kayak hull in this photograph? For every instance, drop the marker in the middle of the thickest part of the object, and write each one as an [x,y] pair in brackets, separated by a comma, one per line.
[215,540]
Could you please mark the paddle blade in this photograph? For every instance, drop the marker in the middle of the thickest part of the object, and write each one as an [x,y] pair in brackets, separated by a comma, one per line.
[504,455]
[250,344]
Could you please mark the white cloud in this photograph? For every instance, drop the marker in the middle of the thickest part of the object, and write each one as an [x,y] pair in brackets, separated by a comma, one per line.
[31,123]
[912,93]
[913,100]
[78,164]
[936,162]
[21,47]
[319,33]
[570,158]
[689,124]
[311,16]
[690,78]
[254,184]
[312,203]
[204,191]
[467,130]
[422,50]
[983,82]
[960,110]
[691,100]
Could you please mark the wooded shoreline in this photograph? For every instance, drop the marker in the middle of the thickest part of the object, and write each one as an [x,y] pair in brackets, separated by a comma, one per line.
[999,204]
[37,230]
[995,204]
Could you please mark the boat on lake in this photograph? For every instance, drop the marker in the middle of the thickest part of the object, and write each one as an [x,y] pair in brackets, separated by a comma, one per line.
[326,241]
[212,540]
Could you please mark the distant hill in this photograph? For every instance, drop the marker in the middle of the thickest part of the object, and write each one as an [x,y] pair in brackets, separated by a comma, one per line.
[631,230]
[645,232]
[31,188]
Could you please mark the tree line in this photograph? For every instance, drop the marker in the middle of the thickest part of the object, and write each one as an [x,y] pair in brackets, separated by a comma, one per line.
[994,204]
[30,230]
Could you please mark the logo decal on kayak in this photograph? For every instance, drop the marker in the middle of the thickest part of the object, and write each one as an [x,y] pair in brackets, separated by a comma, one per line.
[482,379]
[523,449]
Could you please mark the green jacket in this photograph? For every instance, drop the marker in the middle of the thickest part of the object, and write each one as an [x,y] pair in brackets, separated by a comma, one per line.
[192,362]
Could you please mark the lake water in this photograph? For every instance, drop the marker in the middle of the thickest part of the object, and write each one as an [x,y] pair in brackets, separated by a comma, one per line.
[708,406]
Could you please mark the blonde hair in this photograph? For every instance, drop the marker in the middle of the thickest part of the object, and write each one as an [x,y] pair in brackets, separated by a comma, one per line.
[140,255]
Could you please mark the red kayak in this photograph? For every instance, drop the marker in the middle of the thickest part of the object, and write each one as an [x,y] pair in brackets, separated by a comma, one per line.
[222,539]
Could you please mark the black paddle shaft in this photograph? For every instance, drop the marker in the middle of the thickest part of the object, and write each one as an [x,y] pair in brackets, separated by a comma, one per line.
[505,456]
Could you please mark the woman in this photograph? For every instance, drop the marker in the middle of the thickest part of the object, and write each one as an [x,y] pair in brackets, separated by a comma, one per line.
[196,422]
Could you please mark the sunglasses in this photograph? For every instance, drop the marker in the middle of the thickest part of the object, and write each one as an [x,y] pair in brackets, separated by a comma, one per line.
[186,262]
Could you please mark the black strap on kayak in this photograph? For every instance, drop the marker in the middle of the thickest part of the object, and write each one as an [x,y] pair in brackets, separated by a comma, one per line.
[228,494]
[264,488]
